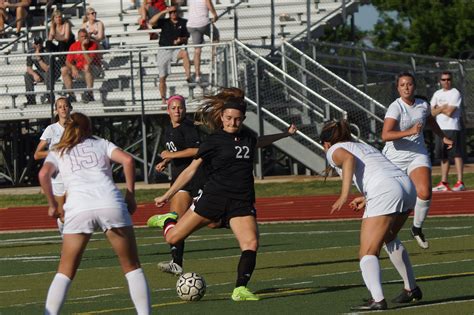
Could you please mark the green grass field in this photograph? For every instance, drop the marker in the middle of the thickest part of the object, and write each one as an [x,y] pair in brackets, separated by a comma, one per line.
[297,188]
[302,268]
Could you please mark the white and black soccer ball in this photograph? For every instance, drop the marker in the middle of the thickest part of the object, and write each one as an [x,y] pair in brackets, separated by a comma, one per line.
[191,287]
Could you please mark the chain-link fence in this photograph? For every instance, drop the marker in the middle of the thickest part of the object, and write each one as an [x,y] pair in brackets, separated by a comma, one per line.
[120,91]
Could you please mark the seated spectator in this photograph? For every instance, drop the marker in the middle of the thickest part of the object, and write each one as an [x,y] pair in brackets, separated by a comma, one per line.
[13,11]
[81,66]
[60,31]
[149,9]
[37,71]
[95,28]
[173,33]
[200,25]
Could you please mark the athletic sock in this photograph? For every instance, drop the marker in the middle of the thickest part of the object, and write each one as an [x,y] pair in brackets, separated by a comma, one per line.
[139,291]
[57,294]
[421,212]
[246,266]
[177,252]
[400,260]
[369,264]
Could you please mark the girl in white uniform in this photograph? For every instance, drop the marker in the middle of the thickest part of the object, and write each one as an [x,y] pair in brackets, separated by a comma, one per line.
[51,136]
[94,202]
[405,146]
[389,195]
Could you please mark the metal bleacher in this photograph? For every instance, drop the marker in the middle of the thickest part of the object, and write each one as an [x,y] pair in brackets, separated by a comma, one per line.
[127,89]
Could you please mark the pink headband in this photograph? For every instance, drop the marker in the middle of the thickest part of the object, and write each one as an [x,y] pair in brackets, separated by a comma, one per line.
[176,97]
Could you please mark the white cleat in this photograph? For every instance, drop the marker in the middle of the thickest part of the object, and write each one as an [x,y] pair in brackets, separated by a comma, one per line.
[170,267]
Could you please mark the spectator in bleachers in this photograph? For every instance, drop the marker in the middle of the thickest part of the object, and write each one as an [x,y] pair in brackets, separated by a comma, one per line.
[82,65]
[200,25]
[173,33]
[147,11]
[37,70]
[13,11]
[60,31]
[95,28]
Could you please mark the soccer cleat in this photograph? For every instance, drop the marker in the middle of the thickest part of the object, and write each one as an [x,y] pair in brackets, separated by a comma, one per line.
[243,294]
[159,220]
[409,296]
[371,305]
[170,267]
[459,186]
[442,186]
[419,237]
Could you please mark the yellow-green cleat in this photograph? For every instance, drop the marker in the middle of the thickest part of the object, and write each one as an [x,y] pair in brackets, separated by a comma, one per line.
[243,294]
[159,220]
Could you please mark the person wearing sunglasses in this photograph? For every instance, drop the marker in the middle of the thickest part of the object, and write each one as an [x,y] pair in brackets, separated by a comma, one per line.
[173,33]
[95,28]
[446,107]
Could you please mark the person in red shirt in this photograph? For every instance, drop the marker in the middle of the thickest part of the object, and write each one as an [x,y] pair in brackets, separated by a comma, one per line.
[81,65]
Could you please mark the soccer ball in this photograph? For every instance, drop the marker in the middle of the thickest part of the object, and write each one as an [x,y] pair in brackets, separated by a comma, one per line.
[191,287]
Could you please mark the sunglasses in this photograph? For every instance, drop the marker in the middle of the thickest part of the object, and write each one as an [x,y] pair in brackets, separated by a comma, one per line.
[446,79]
[94,13]
[172,11]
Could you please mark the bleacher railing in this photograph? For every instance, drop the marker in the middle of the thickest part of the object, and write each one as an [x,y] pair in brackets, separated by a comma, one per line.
[363,110]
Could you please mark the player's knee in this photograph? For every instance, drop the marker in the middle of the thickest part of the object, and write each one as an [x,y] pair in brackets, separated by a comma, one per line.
[250,244]
[424,193]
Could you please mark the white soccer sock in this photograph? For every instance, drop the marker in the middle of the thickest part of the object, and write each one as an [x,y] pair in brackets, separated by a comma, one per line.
[139,291]
[421,212]
[369,264]
[399,258]
[57,294]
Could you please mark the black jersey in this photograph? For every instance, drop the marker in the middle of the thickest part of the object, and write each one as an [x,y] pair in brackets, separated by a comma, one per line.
[229,164]
[183,137]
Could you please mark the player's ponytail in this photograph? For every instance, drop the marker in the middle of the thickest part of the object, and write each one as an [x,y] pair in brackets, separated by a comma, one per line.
[335,131]
[77,130]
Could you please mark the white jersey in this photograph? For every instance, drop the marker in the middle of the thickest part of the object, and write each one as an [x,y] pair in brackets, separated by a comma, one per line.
[198,13]
[371,168]
[87,176]
[52,135]
[451,97]
[402,151]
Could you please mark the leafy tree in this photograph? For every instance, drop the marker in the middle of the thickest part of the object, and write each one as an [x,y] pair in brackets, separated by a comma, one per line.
[431,27]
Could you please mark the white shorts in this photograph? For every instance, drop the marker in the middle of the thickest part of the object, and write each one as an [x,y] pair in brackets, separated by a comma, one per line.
[165,58]
[91,220]
[409,163]
[58,189]
[394,195]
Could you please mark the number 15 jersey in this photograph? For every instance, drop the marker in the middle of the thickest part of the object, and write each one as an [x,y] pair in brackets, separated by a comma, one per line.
[87,176]
[228,161]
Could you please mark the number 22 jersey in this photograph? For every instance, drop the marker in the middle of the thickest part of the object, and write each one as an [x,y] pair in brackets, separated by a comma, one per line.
[87,176]
[228,160]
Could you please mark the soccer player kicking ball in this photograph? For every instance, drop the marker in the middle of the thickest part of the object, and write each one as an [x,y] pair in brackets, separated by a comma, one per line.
[228,194]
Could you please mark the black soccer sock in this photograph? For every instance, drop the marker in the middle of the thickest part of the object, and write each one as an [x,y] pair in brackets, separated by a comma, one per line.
[177,252]
[247,262]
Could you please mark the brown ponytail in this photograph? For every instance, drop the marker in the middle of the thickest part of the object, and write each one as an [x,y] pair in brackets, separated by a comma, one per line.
[336,131]
[77,130]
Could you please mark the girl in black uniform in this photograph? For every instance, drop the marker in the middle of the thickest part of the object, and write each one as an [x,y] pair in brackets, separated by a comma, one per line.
[228,195]
[182,142]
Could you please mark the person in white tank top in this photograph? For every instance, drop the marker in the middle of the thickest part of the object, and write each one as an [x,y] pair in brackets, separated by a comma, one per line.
[94,202]
[405,145]
[50,137]
[388,197]
[199,25]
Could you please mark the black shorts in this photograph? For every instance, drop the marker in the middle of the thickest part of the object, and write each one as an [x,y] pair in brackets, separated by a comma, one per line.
[456,150]
[216,207]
